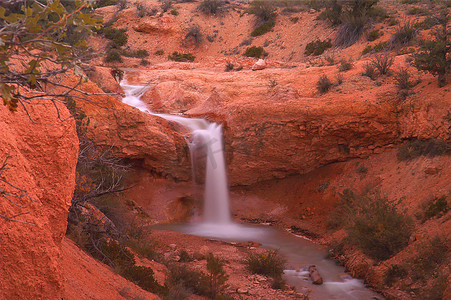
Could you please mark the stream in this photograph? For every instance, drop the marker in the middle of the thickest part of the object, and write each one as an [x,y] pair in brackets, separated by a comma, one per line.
[206,139]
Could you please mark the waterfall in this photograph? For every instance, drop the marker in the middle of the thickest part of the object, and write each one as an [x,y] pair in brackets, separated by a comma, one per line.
[206,142]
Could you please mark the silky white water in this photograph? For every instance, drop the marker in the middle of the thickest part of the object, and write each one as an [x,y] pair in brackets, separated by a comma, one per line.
[206,140]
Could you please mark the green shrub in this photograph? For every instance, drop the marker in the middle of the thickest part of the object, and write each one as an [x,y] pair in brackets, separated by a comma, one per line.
[191,280]
[264,28]
[294,19]
[269,263]
[344,209]
[416,148]
[174,12]
[323,84]
[431,255]
[437,208]
[217,276]
[118,37]
[369,70]
[394,273]
[263,10]
[179,57]
[317,47]
[113,55]
[159,52]
[184,256]
[362,169]
[345,65]
[256,52]
[229,67]
[193,35]
[323,186]
[373,35]
[403,80]
[211,7]
[143,276]
[138,53]
[383,63]
[404,34]
[351,29]
[379,230]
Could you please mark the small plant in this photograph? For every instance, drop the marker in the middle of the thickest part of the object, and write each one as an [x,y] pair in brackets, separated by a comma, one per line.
[378,229]
[143,276]
[264,28]
[294,19]
[345,65]
[394,273]
[431,255]
[193,35]
[118,37]
[330,60]
[362,169]
[181,57]
[159,52]
[383,63]
[174,12]
[113,55]
[369,70]
[254,51]
[191,280]
[317,47]
[404,34]
[272,83]
[434,56]
[185,257]
[324,84]
[339,79]
[437,208]
[323,186]
[403,81]
[211,7]
[217,276]
[269,263]
[373,35]
[229,67]
[416,148]
[166,5]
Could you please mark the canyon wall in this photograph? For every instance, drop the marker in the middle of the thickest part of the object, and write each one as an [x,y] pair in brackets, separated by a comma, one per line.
[43,156]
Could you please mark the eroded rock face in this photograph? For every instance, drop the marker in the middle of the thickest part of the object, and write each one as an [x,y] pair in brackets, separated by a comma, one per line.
[135,135]
[276,124]
[42,163]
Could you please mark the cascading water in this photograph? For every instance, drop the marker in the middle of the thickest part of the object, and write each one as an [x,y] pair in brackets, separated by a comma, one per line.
[206,142]
[207,138]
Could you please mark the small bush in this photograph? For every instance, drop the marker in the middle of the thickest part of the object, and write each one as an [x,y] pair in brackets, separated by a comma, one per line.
[138,53]
[118,37]
[323,186]
[166,5]
[378,229]
[437,208]
[431,255]
[113,55]
[403,79]
[263,10]
[181,57]
[383,63]
[294,19]
[404,34]
[317,47]
[184,256]
[143,11]
[417,148]
[211,7]
[394,273]
[193,35]
[369,70]
[324,84]
[362,169]
[256,52]
[217,276]
[191,280]
[269,263]
[159,52]
[229,67]
[174,12]
[264,28]
[345,65]
[373,35]
[143,276]
[351,29]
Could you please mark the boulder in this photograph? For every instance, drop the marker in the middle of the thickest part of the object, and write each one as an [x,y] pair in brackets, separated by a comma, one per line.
[314,275]
[259,65]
